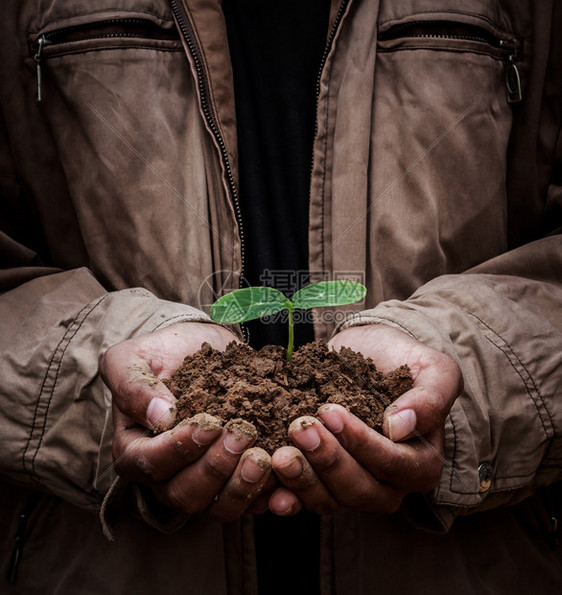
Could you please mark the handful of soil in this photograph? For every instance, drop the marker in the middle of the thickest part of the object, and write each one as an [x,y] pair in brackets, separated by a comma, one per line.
[262,388]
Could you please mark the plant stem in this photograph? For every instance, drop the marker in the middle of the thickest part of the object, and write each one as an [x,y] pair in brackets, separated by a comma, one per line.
[291,334]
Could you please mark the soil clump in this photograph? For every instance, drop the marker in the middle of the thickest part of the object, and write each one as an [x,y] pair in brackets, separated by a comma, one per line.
[262,388]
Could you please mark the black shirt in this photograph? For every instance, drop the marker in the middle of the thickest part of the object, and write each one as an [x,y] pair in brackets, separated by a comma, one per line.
[276,49]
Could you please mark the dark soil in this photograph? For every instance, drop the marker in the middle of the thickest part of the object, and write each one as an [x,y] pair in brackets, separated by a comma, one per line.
[262,388]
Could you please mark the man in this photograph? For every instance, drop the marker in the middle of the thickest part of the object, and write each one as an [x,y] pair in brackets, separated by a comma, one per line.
[435,174]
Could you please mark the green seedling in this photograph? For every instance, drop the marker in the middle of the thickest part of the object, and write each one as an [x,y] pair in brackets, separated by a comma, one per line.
[250,303]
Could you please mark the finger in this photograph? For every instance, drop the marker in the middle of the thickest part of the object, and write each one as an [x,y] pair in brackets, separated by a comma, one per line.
[139,456]
[414,466]
[302,485]
[437,383]
[284,502]
[136,391]
[194,488]
[350,483]
[261,502]
[245,485]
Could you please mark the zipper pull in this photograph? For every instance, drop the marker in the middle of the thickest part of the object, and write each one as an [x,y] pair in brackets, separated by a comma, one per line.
[512,77]
[41,43]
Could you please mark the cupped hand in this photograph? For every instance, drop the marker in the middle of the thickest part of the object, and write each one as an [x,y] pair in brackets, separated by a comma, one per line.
[197,465]
[340,462]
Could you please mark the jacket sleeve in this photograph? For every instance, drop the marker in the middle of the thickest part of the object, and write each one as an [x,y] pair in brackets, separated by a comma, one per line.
[502,322]
[55,413]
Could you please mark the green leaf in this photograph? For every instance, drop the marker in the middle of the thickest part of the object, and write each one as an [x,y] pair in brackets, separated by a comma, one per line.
[329,293]
[247,304]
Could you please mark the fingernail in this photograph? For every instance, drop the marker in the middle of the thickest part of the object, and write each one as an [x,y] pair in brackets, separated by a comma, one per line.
[206,428]
[236,443]
[331,418]
[306,438]
[292,469]
[160,413]
[203,437]
[251,471]
[286,506]
[401,424]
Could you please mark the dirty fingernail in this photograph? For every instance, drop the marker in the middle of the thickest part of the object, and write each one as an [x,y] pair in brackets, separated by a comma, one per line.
[306,436]
[206,428]
[331,418]
[160,413]
[401,424]
[204,437]
[251,471]
[236,443]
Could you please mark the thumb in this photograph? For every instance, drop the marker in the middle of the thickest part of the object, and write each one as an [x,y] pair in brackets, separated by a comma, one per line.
[414,413]
[423,408]
[137,392]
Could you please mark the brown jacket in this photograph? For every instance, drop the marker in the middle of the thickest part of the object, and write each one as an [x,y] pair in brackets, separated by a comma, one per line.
[434,175]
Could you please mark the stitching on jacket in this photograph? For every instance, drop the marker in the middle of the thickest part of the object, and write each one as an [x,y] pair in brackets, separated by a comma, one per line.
[507,351]
[396,323]
[501,491]
[369,319]
[38,401]
[72,330]
[454,456]
[522,477]
[114,48]
[183,317]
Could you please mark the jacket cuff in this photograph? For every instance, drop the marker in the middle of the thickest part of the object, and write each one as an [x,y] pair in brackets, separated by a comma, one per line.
[59,428]
[502,439]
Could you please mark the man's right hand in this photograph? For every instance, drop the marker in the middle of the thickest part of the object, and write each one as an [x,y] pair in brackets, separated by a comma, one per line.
[193,467]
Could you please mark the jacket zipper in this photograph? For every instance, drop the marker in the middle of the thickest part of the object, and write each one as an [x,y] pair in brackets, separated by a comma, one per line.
[327,48]
[510,46]
[41,43]
[17,552]
[329,43]
[512,76]
[186,29]
[19,540]
[94,30]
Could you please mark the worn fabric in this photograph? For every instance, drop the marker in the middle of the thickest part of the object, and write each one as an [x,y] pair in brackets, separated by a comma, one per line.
[120,213]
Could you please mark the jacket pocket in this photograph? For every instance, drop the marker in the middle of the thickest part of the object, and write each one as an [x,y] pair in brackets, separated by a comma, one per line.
[102,34]
[435,197]
[119,96]
[478,36]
